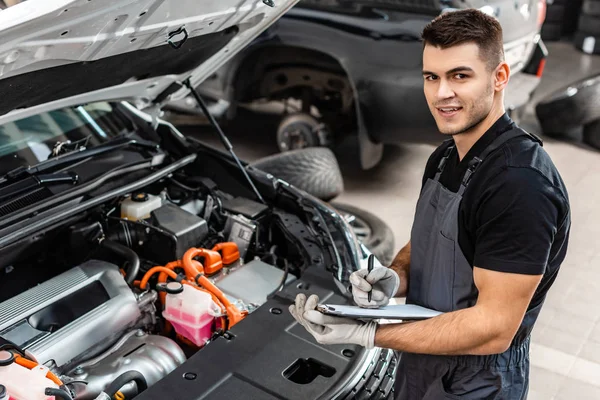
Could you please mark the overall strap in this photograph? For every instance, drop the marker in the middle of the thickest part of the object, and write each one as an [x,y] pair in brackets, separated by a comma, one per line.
[495,145]
[443,161]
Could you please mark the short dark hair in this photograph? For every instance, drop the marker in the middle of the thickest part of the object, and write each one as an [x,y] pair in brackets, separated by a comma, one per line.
[467,26]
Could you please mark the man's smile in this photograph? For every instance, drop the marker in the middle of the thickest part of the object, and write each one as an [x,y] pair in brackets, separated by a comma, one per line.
[448,112]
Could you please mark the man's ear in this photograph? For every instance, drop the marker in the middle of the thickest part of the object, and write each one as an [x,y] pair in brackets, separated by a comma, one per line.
[501,76]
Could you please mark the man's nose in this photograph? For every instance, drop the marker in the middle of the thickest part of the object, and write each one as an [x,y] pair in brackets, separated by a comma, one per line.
[444,90]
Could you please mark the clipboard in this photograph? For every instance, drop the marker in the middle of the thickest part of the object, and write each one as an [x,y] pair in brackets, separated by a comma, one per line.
[406,312]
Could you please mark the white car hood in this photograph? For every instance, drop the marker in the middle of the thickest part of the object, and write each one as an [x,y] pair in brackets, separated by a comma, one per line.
[57,53]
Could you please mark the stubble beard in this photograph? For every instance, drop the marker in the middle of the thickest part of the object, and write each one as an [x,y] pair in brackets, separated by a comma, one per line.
[473,122]
[476,117]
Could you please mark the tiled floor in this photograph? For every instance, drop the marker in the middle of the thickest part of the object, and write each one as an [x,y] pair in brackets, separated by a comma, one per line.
[565,353]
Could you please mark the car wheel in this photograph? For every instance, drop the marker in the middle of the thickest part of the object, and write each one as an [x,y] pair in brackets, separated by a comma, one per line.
[555,13]
[570,108]
[589,24]
[587,43]
[299,131]
[591,134]
[551,31]
[571,18]
[372,231]
[314,170]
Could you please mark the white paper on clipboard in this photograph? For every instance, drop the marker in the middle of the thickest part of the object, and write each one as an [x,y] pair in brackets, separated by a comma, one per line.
[406,312]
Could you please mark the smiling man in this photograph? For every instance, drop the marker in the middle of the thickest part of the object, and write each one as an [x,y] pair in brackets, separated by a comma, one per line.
[490,232]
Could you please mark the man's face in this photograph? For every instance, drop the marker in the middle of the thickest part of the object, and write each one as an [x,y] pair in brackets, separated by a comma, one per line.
[459,87]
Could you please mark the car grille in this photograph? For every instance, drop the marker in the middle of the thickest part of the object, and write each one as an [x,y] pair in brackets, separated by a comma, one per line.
[378,381]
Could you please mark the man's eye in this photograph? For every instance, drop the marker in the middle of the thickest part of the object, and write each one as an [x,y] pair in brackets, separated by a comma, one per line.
[430,77]
[461,76]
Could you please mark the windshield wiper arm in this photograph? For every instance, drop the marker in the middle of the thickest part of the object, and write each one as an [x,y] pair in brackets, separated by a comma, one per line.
[77,155]
[25,185]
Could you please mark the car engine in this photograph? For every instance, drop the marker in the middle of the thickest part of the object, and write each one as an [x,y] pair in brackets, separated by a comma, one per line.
[145,282]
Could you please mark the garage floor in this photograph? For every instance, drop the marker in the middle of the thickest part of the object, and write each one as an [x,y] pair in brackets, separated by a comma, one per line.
[565,354]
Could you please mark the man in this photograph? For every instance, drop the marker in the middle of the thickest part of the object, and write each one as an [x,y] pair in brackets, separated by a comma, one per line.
[490,232]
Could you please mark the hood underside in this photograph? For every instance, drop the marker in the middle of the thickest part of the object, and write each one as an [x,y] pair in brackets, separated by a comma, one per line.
[56,53]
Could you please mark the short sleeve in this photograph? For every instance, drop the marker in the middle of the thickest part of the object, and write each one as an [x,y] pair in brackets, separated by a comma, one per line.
[517,218]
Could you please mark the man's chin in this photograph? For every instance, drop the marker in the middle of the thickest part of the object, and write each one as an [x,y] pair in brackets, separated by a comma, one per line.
[449,130]
[448,133]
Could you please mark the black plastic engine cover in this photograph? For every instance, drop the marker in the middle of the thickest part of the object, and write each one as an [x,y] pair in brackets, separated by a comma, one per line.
[266,347]
[186,230]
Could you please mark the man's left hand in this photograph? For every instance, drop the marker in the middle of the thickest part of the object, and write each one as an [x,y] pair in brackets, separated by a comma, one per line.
[327,329]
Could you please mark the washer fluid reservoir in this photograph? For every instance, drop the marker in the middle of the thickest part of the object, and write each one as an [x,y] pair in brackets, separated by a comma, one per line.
[139,206]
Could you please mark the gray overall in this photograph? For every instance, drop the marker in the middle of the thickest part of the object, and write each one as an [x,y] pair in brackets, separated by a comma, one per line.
[441,278]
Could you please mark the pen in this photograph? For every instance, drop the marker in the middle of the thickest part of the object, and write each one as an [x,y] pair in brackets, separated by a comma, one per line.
[370,263]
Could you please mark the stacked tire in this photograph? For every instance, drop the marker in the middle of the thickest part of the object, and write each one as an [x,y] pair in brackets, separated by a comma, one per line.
[561,19]
[587,38]
[553,24]
[573,108]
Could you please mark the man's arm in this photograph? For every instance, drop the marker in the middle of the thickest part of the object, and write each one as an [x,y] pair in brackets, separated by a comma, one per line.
[486,328]
[401,265]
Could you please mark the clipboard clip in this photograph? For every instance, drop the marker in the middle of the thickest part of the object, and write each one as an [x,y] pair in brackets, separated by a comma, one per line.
[324,308]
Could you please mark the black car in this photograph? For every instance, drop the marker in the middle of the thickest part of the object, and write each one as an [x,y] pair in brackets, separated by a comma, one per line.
[137,262]
[333,68]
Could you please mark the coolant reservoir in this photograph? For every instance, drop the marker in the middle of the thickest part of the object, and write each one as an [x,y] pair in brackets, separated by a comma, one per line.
[139,206]
[191,312]
[22,383]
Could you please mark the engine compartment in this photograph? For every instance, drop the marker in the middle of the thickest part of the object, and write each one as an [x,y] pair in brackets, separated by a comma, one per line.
[111,301]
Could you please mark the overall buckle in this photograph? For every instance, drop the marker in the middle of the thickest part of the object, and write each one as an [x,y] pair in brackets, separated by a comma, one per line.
[444,159]
[473,164]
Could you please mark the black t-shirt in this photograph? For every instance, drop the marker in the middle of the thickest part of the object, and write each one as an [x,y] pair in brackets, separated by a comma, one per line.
[514,215]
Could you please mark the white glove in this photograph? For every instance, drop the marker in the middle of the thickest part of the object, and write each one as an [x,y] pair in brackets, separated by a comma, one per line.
[327,329]
[383,281]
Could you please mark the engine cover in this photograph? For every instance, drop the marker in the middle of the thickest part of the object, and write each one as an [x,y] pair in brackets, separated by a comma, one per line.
[70,314]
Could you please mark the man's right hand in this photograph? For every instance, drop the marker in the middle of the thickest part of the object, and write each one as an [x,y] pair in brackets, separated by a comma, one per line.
[384,283]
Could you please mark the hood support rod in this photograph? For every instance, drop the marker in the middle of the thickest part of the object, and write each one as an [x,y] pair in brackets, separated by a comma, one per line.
[222,135]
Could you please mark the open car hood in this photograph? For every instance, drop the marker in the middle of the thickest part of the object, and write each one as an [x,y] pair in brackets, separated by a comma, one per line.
[57,53]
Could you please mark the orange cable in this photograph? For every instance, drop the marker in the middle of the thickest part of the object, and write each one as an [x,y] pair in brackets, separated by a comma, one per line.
[24,362]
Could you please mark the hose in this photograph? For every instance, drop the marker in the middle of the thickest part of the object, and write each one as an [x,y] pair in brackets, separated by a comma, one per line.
[168,271]
[184,186]
[133,261]
[196,274]
[24,362]
[125,378]
[58,393]
[283,279]
[154,270]
[162,278]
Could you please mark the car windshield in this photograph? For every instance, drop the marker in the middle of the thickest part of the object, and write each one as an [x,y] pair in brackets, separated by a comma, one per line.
[30,140]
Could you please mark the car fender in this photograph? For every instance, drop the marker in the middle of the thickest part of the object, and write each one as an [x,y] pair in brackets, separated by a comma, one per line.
[295,33]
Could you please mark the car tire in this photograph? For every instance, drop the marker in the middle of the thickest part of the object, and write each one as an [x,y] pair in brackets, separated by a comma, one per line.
[589,24]
[587,43]
[551,32]
[371,230]
[571,19]
[314,170]
[570,108]
[591,8]
[591,134]
[300,130]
